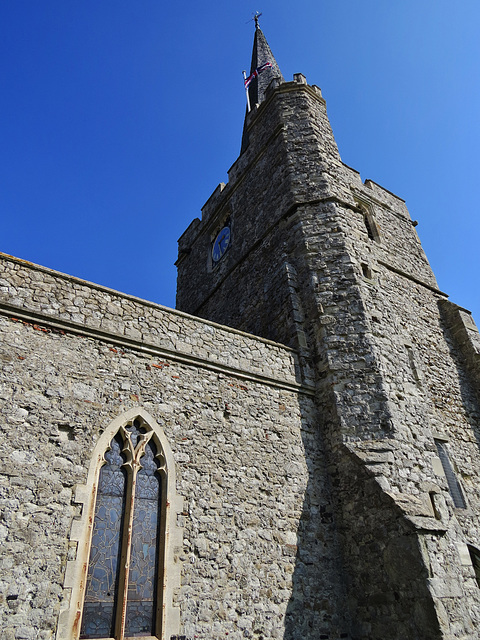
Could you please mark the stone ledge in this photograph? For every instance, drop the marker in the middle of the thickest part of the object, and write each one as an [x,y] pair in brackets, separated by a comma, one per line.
[408,276]
[427,525]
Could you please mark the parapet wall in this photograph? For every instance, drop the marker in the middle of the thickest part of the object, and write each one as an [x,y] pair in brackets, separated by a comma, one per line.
[44,295]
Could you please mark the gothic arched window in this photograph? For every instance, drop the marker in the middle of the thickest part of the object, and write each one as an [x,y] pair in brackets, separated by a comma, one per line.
[371,226]
[125,567]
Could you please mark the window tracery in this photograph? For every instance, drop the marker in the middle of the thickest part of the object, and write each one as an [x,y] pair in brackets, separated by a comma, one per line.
[123,569]
[121,583]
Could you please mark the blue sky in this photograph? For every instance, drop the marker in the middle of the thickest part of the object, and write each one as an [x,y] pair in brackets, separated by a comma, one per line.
[118,119]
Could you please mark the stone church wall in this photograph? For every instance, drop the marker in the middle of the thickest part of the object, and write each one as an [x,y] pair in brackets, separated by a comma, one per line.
[334,267]
[256,516]
[426,349]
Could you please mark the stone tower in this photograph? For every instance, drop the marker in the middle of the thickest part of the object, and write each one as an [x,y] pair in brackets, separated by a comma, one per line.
[297,249]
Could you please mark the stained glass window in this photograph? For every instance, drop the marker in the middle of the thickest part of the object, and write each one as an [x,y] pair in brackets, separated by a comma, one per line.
[123,572]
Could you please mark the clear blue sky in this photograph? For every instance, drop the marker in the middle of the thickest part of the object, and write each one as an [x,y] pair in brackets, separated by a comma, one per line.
[118,119]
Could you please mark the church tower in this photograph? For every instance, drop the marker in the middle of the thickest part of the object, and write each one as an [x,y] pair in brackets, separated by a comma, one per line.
[297,249]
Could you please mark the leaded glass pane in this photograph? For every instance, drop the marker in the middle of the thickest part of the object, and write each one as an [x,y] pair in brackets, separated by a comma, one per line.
[140,619]
[104,562]
[135,430]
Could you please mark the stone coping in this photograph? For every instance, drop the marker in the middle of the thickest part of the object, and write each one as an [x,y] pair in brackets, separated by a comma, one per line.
[89,309]
[127,296]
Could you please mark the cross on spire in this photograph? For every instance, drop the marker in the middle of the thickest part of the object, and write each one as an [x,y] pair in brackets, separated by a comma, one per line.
[256,16]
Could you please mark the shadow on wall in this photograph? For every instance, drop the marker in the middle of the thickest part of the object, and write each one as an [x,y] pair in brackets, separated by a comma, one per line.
[359,572]
[463,339]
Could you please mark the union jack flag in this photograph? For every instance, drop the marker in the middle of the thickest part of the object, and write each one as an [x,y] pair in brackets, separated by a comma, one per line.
[256,72]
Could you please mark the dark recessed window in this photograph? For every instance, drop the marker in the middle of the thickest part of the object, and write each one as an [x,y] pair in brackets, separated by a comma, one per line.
[368,227]
[366,271]
[371,226]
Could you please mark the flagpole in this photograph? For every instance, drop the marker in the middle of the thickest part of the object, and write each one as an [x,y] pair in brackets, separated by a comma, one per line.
[246,90]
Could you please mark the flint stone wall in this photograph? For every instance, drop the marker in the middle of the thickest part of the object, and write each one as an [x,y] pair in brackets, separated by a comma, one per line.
[257,517]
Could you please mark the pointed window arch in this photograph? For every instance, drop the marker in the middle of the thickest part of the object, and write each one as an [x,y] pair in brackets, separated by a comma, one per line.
[125,553]
[369,221]
[119,580]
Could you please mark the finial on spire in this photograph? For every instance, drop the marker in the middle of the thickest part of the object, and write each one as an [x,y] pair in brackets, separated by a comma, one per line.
[255,16]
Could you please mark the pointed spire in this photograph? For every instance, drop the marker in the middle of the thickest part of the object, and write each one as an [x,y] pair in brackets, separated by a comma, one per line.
[261,55]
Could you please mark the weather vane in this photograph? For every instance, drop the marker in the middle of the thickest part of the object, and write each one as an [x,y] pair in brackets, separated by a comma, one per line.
[255,16]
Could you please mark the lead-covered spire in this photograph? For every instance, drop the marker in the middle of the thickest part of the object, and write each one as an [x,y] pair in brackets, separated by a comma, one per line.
[261,55]
[263,69]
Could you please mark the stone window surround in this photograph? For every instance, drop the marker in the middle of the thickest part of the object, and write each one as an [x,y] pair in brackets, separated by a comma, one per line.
[369,218]
[76,570]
